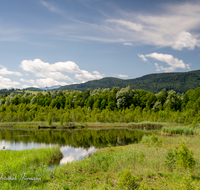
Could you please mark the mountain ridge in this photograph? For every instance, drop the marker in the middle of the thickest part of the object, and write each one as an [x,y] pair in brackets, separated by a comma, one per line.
[155,82]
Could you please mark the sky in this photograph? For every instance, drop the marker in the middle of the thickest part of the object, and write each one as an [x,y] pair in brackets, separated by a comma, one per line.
[61,42]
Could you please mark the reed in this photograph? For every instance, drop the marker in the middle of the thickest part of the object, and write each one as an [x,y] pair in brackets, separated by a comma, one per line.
[180,130]
[14,162]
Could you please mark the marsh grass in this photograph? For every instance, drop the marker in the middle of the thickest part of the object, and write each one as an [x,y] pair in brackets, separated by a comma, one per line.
[105,168]
[109,168]
[180,130]
[18,166]
[15,161]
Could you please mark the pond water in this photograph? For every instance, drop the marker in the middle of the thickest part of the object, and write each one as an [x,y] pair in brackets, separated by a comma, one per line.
[74,144]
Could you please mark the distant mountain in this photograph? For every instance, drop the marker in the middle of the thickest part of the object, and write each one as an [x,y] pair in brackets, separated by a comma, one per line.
[179,81]
[51,87]
[33,89]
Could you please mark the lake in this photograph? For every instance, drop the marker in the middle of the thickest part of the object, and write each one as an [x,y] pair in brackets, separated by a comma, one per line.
[74,144]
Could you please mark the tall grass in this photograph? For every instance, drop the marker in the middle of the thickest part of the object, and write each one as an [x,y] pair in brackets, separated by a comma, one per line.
[181,130]
[26,169]
[15,161]
[114,167]
[104,168]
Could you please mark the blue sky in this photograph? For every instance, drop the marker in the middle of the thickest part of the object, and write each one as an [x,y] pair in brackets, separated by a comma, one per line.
[48,42]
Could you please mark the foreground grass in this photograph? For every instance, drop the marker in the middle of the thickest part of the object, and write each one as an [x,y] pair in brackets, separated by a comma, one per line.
[106,168]
[22,169]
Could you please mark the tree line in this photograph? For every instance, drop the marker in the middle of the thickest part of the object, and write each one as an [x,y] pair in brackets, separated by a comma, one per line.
[102,105]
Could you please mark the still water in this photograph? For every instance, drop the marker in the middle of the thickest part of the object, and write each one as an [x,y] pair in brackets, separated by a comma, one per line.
[74,144]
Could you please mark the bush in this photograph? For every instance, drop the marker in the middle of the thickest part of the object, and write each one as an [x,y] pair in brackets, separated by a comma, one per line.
[127,180]
[170,160]
[152,140]
[145,139]
[49,119]
[184,157]
[61,119]
[180,158]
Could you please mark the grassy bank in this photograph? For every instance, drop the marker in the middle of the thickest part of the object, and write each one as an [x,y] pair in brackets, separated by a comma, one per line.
[26,168]
[144,164]
[137,166]
[136,125]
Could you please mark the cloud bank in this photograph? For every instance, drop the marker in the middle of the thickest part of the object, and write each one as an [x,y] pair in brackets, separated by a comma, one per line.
[7,83]
[176,27]
[174,63]
[50,73]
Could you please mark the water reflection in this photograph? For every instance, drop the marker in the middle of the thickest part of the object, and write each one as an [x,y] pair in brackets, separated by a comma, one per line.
[75,144]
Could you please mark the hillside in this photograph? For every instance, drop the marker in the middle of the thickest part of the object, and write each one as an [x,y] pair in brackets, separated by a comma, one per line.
[180,82]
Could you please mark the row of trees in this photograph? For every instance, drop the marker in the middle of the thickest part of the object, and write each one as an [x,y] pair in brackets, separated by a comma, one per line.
[104,105]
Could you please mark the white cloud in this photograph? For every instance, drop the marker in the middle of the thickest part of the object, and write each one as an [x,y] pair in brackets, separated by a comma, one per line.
[50,6]
[127,44]
[46,70]
[185,40]
[174,63]
[28,86]
[174,25]
[27,81]
[49,82]
[4,71]
[7,83]
[127,24]
[121,76]
[142,57]
[85,75]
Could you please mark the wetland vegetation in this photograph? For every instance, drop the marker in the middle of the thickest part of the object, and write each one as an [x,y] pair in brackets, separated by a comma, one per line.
[146,140]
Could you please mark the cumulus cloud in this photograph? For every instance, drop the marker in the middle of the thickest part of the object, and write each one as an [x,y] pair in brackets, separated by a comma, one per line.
[49,82]
[27,81]
[185,40]
[143,57]
[85,75]
[46,70]
[4,71]
[127,44]
[7,83]
[28,86]
[121,76]
[173,63]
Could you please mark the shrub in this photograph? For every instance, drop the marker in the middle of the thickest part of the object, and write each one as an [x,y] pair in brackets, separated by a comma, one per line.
[180,158]
[49,119]
[152,140]
[170,160]
[127,180]
[145,139]
[184,157]
[61,119]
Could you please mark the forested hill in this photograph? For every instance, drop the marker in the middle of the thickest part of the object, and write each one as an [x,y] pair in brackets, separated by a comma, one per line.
[180,82]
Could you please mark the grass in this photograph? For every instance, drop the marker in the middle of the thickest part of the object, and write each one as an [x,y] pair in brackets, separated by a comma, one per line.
[104,169]
[13,161]
[18,166]
[180,130]
[141,125]
[110,168]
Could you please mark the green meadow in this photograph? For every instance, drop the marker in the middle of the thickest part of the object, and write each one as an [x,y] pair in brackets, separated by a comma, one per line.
[156,162]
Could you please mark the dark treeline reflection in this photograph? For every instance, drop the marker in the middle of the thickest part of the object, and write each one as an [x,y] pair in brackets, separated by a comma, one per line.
[75,138]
